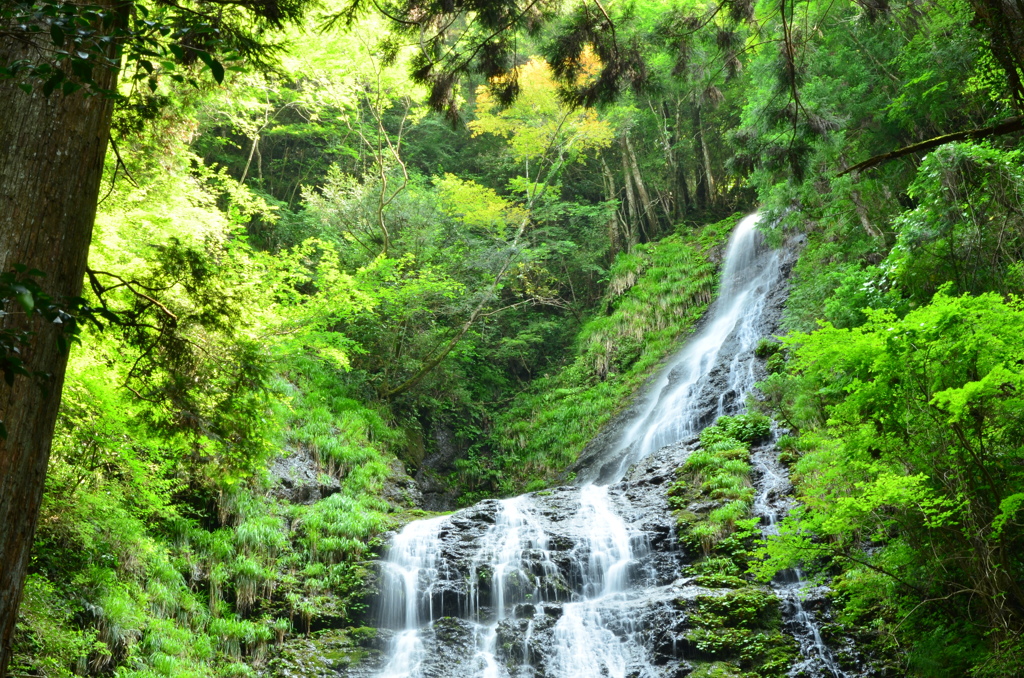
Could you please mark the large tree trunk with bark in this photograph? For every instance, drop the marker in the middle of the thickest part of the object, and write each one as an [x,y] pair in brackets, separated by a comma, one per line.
[51,162]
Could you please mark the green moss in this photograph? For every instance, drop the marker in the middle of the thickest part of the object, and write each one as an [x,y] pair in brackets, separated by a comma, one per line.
[717,670]
[743,626]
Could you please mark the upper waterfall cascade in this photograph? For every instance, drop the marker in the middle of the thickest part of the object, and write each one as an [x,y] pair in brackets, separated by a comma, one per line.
[579,582]
[672,408]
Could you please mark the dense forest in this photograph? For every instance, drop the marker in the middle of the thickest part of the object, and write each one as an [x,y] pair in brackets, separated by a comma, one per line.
[320,268]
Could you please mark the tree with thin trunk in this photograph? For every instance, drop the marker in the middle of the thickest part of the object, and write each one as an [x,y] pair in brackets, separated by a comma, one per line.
[59,67]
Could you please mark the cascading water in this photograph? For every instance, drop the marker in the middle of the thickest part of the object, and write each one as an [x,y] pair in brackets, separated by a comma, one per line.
[408,574]
[559,584]
[584,646]
[676,404]
[770,505]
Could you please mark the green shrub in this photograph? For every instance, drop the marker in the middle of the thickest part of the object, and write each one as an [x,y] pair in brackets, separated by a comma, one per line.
[767,347]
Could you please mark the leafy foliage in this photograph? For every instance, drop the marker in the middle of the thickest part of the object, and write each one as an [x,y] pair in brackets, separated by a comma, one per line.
[307,263]
[915,424]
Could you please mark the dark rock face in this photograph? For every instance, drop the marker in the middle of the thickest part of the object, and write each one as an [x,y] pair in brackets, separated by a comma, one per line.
[297,479]
[437,495]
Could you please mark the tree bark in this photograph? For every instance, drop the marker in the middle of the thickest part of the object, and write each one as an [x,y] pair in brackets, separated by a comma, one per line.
[705,177]
[631,208]
[611,194]
[648,215]
[51,163]
[684,202]
[1008,126]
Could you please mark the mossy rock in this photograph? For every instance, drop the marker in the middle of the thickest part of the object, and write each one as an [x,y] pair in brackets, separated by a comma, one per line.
[686,518]
[361,634]
[720,581]
[320,655]
[717,670]
[745,607]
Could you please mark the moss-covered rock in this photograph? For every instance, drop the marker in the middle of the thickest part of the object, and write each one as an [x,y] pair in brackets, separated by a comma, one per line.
[717,670]
[322,655]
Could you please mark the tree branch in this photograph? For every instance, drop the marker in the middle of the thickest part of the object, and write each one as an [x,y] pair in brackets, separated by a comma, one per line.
[1008,126]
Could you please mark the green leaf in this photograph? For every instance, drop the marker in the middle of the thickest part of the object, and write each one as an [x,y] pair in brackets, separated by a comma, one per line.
[24,298]
[217,68]
[57,35]
[52,83]
[82,69]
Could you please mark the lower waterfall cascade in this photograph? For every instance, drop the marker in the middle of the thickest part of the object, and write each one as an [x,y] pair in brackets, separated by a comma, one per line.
[584,581]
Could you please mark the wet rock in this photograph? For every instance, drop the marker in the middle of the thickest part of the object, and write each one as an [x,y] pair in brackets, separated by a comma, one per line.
[400,490]
[296,478]
[436,494]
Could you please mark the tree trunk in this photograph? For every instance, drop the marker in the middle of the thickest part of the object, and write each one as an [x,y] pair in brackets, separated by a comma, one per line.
[705,182]
[648,215]
[51,163]
[630,210]
[610,194]
[684,202]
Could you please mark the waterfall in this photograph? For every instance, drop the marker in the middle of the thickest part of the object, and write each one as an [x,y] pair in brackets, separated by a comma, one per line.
[676,405]
[411,564]
[559,584]
[770,505]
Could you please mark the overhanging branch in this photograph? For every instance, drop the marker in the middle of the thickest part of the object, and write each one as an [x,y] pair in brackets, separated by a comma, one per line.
[1008,126]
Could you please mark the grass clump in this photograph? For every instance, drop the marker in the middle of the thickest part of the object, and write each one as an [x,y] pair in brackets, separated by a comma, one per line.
[713,494]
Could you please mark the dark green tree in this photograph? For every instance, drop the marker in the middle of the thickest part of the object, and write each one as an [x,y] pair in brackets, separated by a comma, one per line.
[60,64]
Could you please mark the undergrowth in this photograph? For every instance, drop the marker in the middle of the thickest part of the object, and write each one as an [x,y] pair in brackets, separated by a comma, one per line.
[139,573]
[736,628]
[713,494]
[657,293]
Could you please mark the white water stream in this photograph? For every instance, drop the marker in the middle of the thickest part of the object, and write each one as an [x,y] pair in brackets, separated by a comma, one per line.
[770,505]
[595,633]
[672,409]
